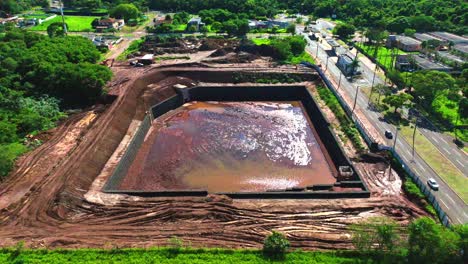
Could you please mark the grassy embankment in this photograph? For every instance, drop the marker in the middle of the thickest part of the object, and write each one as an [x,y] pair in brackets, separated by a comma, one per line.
[439,163]
[74,23]
[167,255]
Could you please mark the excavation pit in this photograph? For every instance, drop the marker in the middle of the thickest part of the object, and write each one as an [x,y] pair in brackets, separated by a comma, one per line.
[242,141]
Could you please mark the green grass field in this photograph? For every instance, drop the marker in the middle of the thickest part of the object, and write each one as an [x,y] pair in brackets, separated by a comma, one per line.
[304,56]
[384,55]
[75,23]
[440,164]
[202,256]
[261,41]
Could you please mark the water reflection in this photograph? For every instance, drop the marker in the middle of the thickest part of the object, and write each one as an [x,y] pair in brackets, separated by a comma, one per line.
[231,146]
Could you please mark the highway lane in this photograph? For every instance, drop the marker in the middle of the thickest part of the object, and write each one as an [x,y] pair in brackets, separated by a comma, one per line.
[444,143]
[455,208]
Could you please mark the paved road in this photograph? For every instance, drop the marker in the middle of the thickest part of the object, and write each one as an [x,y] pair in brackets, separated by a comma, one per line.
[455,208]
[444,143]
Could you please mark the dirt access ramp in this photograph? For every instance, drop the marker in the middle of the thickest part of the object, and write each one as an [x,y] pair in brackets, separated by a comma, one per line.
[43,202]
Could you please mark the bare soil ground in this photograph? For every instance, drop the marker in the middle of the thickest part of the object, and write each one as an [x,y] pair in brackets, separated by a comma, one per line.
[53,197]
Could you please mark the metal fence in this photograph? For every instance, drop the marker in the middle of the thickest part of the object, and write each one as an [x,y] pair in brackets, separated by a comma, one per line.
[129,155]
[366,135]
[423,187]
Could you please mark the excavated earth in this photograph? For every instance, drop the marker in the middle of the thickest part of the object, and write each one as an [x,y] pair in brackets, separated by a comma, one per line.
[54,199]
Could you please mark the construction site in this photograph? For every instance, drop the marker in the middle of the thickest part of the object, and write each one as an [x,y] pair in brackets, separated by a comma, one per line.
[193,147]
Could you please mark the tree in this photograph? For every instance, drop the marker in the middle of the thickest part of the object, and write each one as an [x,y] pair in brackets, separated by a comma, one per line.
[297,44]
[125,11]
[462,232]
[216,26]
[230,27]
[422,23]
[291,29]
[344,31]
[56,29]
[192,29]
[428,84]
[282,49]
[275,246]
[398,100]
[377,234]
[431,243]
[181,18]
[396,78]
[409,32]
[398,24]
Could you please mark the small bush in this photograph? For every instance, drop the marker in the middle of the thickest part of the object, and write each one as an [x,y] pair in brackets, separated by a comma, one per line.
[275,246]
[175,245]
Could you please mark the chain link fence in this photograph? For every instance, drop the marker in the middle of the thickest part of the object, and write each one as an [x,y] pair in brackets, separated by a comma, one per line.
[367,137]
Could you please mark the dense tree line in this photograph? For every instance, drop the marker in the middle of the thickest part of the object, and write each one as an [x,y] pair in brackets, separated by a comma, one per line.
[142,5]
[395,16]
[11,7]
[39,78]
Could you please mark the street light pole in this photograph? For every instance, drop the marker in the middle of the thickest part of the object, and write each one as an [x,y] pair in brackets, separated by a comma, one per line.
[355,99]
[63,18]
[396,137]
[372,86]
[414,133]
[326,64]
[339,81]
[316,52]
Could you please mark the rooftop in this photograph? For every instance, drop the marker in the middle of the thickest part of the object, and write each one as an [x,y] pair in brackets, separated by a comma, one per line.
[347,59]
[461,48]
[408,41]
[425,37]
[449,37]
[426,64]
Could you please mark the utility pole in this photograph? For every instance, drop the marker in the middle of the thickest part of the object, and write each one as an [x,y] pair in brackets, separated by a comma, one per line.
[316,52]
[372,86]
[396,136]
[339,81]
[355,99]
[63,18]
[414,133]
[326,64]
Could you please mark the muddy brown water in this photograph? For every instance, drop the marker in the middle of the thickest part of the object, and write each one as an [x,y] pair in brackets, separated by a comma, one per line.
[230,147]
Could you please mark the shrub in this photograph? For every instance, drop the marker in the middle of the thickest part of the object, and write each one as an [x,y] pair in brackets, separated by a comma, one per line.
[275,246]
[175,245]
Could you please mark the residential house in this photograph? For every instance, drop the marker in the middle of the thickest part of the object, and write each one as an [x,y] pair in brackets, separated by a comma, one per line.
[403,63]
[196,22]
[257,24]
[345,64]
[105,42]
[108,23]
[280,23]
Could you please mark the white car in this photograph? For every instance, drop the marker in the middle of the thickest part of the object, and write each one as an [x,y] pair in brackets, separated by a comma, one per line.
[433,184]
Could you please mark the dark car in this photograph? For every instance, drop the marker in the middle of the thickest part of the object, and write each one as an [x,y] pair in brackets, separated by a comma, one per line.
[388,134]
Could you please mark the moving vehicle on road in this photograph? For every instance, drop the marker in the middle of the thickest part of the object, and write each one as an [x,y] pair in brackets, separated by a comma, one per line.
[433,184]
[388,134]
